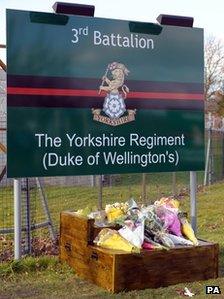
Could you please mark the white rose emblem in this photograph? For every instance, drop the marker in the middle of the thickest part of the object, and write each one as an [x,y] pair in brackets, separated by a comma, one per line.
[114,105]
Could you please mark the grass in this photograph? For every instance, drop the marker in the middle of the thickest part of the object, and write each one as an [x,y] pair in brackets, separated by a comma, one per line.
[27,265]
[46,277]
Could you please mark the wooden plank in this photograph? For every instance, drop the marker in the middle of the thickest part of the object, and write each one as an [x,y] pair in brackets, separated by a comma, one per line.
[112,251]
[157,269]
[76,226]
[72,248]
[216,260]
[80,227]
[89,263]
[93,273]
[77,249]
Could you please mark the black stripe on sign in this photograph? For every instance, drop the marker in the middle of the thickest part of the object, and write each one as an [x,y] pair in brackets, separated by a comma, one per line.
[97,102]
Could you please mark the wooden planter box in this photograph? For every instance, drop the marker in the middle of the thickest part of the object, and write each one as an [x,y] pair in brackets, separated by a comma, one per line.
[119,271]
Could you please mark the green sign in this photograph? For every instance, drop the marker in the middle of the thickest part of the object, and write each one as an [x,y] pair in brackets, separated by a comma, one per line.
[95,96]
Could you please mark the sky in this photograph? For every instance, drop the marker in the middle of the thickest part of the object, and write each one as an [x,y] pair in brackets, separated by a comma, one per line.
[206,14]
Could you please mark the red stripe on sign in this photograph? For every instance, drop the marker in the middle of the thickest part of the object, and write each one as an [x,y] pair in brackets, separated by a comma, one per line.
[166,95]
[94,93]
[51,91]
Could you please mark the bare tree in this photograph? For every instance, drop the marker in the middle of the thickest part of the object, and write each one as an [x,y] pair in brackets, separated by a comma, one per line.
[220,103]
[214,66]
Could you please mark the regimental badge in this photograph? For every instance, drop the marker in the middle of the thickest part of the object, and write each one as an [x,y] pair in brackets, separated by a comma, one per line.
[114,110]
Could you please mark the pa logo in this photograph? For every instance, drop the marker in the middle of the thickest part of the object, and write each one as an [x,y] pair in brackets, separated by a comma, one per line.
[213,290]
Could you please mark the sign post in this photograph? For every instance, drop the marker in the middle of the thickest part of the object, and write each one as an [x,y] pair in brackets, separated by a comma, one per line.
[17,219]
[193,200]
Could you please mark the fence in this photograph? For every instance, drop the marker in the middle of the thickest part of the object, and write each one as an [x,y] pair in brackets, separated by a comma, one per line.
[43,200]
[216,156]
